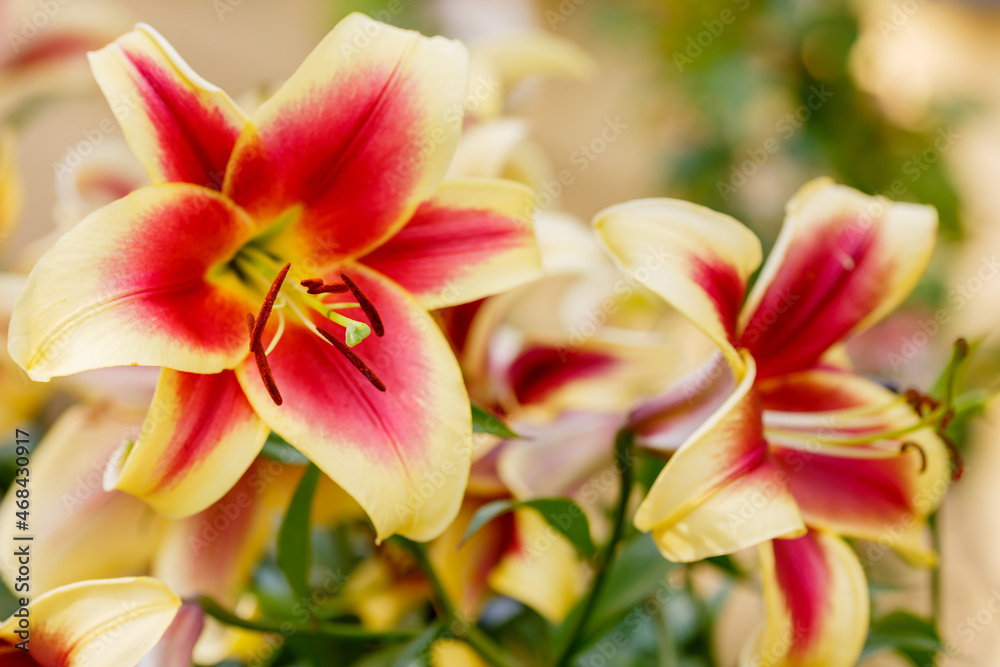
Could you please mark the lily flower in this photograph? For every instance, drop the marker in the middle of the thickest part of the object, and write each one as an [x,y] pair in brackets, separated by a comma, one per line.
[797,450]
[82,532]
[501,63]
[106,622]
[235,269]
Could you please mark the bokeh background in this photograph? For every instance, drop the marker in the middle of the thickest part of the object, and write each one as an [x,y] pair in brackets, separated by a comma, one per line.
[732,104]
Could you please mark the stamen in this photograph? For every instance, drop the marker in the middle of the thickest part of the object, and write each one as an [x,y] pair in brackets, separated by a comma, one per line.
[366,305]
[908,445]
[256,330]
[265,309]
[353,358]
[317,286]
[262,366]
[921,403]
[957,464]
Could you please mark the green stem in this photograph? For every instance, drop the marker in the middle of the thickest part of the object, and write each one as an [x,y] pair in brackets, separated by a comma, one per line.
[335,630]
[467,632]
[623,455]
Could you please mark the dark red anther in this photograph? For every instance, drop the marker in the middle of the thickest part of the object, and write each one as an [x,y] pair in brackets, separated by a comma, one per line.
[265,309]
[957,464]
[353,358]
[374,319]
[317,286]
[921,403]
[256,330]
[908,445]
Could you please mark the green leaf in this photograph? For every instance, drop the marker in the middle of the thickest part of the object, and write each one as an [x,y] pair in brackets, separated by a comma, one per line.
[727,565]
[902,631]
[561,513]
[484,421]
[294,537]
[276,448]
[919,657]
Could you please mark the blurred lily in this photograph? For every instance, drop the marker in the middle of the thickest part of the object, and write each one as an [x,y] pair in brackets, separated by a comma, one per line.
[500,63]
[42,53]
[564,453]
[107,622]
[795,441]
[84,185]
[311,207]
[517,554]
[83,532]
[21,399]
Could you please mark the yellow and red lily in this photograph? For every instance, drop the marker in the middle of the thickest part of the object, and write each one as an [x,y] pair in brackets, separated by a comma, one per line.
[82,532]
[328,198]
[797,450]
[101,622]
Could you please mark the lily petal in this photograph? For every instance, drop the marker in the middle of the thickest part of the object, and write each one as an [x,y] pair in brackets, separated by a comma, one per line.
[539,375]
[559,458]
[667,421]
[22,397]
[515,57]
[473,238]
[871,493]
[695,258]
[720,492]
[816,602]
[842,262]
[541,569]
[181,127]
[501,63]
[80,530]
[403,454]
[215,551]
[454,653]
[486,148]
[142,281]
[106,622]
[354,141]
[464,570]
[198,439]
[177,644]
[827,390]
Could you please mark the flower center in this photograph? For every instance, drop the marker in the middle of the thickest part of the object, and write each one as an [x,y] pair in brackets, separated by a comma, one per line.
[301,301]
